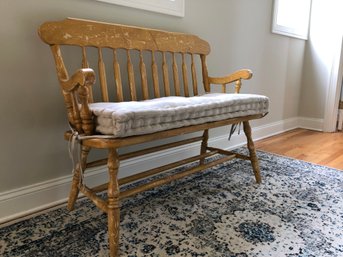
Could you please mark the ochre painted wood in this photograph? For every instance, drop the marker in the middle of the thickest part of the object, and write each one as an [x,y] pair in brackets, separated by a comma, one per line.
[85,65]
[241,74]
[238,85]
[164,168]
[102,76]
[99,202]
[84,77]
[234,77]
[62,73]
[205,78]
[176,77]
[165,75]
[77,92]
[77,122]
[159,148]
[223,88]
[87,123]
[204,144]
[146,151]
[80,78]
[251,147]
[184,76]
[117,77]
[131,77]
[90,33]
[168,179]
[155,75]
[144,80]
[77,176]
[194,76]
[113,194]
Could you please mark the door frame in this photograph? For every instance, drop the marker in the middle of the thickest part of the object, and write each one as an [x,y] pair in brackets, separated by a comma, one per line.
[334,90]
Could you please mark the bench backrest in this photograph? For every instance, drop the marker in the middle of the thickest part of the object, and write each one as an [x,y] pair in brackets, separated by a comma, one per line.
[164,62]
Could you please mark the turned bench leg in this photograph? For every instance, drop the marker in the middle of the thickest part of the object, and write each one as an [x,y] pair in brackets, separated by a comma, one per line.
[113,214]
[204,145]
[74,192]
[251,147]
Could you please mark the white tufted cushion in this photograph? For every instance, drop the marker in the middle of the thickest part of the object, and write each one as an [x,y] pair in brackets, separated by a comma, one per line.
[143,117]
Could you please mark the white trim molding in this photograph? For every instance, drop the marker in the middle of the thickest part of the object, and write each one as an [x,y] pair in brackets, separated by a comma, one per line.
[31,199]
[334,89]
[311,123]
[292,18]
[171,7]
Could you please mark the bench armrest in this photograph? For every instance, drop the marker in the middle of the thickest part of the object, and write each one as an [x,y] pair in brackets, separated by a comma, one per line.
[77,96]
[234,77]
[82,77]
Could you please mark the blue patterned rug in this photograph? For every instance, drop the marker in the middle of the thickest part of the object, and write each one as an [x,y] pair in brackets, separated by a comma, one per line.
[296,211]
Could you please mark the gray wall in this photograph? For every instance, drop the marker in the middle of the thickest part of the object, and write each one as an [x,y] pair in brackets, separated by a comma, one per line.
[32,113]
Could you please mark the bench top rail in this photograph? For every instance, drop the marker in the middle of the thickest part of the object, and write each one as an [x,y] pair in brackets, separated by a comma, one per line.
[99,34]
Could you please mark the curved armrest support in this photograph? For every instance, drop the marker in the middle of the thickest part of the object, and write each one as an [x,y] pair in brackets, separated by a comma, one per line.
[238,75]
[82,77]
[234,77]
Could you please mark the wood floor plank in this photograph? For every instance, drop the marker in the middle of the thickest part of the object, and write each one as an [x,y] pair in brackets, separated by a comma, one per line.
[307,145]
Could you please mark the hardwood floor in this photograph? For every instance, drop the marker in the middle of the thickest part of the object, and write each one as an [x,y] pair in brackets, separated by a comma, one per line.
[312,146]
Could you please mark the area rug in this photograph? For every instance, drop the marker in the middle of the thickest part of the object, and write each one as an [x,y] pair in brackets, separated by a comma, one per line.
[296,211]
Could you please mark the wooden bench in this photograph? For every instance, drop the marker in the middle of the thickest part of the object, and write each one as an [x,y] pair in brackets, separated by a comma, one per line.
[144,64]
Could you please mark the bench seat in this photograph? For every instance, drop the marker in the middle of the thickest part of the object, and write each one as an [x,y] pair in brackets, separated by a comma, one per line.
[144,117]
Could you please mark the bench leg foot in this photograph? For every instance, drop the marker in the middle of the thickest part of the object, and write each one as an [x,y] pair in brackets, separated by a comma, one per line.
[113,214]
[74,191]
[252,152]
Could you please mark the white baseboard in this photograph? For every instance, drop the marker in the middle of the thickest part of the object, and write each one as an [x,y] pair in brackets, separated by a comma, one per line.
[27,200]
[311,123]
